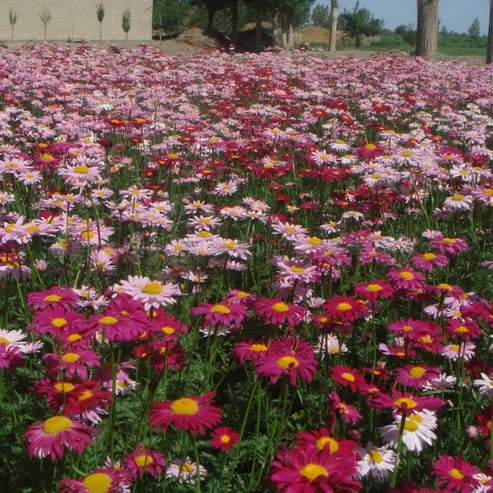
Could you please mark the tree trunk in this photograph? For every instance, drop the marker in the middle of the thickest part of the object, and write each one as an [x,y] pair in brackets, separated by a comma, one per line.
[284,32]
[258,30]
[334,12]
[210,17]
[290,32]
[427,30]
[234,22]
[489,48]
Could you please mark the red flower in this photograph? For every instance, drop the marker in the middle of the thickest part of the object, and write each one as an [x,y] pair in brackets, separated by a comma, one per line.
[56,320]
[39,300]
[276,312]
[310,470]
[50,437]
[455,473]
[221,314]
[369,151]
[428,260]
[250,350]
[142,461]
[167,327]
[405,402]
[321,439]
[344,375]
[224,438]
[349,413]
[416,376]
[74,363]
[345,308]
[466,329]
[451,246]
[107,480]
[291,356]
[373,290]
[406,278]
[188,413]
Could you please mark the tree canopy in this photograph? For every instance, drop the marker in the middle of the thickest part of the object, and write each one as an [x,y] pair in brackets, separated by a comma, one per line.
[360,22]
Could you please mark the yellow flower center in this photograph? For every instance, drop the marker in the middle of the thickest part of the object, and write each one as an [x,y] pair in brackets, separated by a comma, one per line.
[375,456]
[406,403]
[99,482]
[374,288]
[184,407]
[429,256]
[456,474]
[74,337]
[462,329]
[229,244]
[370,147]
[225,439]
[416,418]
[448,240]
[313,471]
[407,275]
[87,394]
[286,362]
[220,309]
[186,467]
[297,270]
[280,307]
[70,357]
[417,372]
[457,197]
[323,441]
[56,424]
[152,287]
[32,228]
[143,460]
[454,347]
[343,307]
[52,297]
[88,235]
[81,169]
[58,322]
[168,330]
[64,387]
[314,241]
[258,348]
[410,426]
[4,341]
[348,376]
[108,320]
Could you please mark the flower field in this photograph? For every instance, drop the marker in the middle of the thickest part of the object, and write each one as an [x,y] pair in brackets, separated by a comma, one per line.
[228,272]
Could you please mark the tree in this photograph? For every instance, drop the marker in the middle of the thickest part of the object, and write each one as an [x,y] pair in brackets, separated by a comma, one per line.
[427,30]
[100,16]
[261,8]
[407,33]
[360,22]
[12,21]
[474,30]
[169,15]
[45,17]
[489,49]
[292,13]
[126,22]
[334,13]
[212,7]
[321,16]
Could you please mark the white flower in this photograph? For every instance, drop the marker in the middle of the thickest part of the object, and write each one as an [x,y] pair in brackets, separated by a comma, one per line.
[379,462]
[185,471]
[418,430]
[485,385]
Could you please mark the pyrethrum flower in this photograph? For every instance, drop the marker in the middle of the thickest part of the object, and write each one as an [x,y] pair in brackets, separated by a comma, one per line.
[185,471]
[455,473]
[192,414]
[345,308]
[144,461]
[377,462]
[224,438]
[221,314]
[51,437]
[277,312]
[101,480]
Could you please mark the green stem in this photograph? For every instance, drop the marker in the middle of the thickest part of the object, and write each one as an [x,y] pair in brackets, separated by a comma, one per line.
[393,479]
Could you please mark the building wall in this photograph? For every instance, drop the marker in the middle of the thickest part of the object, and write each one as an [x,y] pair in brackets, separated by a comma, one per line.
[75,19]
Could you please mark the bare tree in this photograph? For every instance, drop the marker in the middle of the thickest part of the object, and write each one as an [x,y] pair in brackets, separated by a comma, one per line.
[489,49]
[12,21]
[334,12]
[45,17]
[427,30]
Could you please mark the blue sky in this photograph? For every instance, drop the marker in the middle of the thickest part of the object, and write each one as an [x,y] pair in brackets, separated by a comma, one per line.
[456,15]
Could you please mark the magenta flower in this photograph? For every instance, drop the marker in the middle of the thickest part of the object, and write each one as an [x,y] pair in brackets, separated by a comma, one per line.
[144,461]
[455,473]
[276,312]
[229,315]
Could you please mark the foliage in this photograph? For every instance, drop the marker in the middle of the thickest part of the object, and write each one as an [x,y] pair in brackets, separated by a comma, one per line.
[360,22]
[321,16]
[169,15]
[407,33]
[100,11]
[474,30]
[126,21]
[12,16]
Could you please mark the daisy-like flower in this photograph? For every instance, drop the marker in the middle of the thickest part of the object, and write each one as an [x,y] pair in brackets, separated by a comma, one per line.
[348,377]
[455,473]
[223,438]
[221,314]
[458,202]
[185,471]
[56,320]
[144,461]
[52,436]
[73,363]
[151,293]
[416,376]
[250,351]
[39,300]
[101,480]
[428,260]
[406,278]
[418,430]
[345,308]
[450,246]
[465,350]
[192,414]
[309,470]
[485,385]
[276,312]
[339,408]
[405,402]
[377,462]
[290,356]
[373,290]
[322,439]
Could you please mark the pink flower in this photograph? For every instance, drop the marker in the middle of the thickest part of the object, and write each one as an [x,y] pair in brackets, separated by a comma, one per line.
[229,315]
[144,461]
[345,308]
[455,473]
[51,437]
[277,312]
[39,300]
[224,438]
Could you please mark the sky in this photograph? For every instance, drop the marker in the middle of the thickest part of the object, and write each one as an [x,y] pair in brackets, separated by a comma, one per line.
[456,15]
